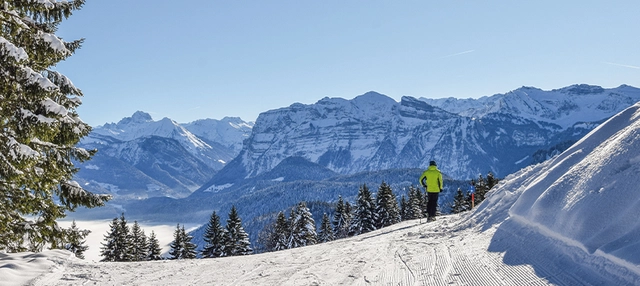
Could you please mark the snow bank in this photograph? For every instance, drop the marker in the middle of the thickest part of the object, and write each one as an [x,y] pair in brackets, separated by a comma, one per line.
[21,268]
[585,201]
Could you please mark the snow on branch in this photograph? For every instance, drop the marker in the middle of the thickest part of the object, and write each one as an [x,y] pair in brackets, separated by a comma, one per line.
[35,77]
[8,48]
[72,195]
[65,85]
[54,42]
[18,150]
[52,107]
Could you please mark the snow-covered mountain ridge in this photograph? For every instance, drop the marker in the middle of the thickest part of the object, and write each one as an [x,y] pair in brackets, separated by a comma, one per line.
[139,158]
[199,137]
[467,137]
[563,107]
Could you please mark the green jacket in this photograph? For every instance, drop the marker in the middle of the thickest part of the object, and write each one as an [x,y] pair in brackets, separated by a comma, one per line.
[432,180]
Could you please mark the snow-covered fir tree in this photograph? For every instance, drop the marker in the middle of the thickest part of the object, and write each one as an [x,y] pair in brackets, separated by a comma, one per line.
[415,203]
[364,219]
[188,247]
[39,127]
[491,181]
[237,240]
[116,246]
[176,245]
[460,202]
[139,243]
[281,233]
[326,231]
[387,212]
[405,213]
[349,212]
[341,219]
[76,243]
[214,238]
[155,251]
[303,227]
[181,246]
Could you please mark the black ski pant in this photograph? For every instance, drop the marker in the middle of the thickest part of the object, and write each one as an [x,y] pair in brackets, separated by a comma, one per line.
[432,204]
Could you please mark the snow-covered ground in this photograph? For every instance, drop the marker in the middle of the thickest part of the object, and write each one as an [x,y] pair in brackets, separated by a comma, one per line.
[572,220]
[408,253]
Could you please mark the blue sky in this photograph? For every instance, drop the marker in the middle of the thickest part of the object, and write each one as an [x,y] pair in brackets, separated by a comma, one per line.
[197,59]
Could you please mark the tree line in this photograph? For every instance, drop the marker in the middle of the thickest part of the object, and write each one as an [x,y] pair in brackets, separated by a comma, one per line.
[122,243]
[477,192]
[370,212]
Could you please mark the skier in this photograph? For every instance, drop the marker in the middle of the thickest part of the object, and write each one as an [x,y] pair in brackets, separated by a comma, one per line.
[431,179]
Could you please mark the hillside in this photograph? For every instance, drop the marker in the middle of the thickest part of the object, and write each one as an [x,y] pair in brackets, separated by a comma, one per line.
[571,220]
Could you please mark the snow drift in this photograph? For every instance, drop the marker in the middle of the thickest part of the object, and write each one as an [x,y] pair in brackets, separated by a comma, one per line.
[585,201]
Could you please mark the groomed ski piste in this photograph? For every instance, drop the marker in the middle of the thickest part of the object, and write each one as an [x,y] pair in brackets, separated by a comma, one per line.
[572,220]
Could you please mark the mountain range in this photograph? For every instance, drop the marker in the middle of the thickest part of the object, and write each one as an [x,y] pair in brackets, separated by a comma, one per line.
[466,137]
[139,158]
[170,172]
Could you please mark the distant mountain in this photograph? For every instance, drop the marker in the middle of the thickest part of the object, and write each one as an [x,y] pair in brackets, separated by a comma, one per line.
[563,107]
[139,158]
[466,137]
[229,132]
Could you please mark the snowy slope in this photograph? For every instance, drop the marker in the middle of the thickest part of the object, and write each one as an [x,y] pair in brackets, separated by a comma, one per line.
[569,221]
[588,197]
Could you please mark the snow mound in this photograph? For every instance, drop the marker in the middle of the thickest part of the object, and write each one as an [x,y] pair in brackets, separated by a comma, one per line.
[22,268]
[586,201]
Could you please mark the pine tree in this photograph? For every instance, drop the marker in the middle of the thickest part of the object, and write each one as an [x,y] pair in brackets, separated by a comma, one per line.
[76,243]
[481,189]
[282,232]
[386,210]
[139,244]
[364,220]
[154,248]
[124,239]
[349,214]
[109,248]
[491,181]
[424,203]
[415,203]
[303,227]
[214,238]
[237,240]
[326,232]
[116,246]
[39,127]
[341,220]
[188,247]
[460,202]
[177,244]
[405,211]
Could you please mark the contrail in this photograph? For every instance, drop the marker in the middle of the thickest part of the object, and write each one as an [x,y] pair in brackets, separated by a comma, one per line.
[621,65]
[457,54]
